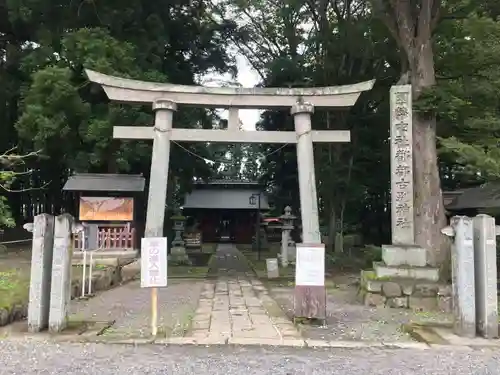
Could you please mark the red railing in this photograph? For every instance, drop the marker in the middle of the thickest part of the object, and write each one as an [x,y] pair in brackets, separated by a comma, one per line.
[112,237]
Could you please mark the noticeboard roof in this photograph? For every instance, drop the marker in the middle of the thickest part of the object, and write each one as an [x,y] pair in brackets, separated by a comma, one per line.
[105,182]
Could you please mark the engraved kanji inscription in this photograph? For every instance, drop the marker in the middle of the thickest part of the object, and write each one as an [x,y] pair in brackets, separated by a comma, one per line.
[402,98]
[400,195]
[403,184]
[402,222]
[401,113]
[402,208]
[402,170]
[402,155]
[401,140]
[402,126]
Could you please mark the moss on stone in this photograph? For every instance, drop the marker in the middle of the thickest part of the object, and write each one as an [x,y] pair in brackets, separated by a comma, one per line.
[370,275]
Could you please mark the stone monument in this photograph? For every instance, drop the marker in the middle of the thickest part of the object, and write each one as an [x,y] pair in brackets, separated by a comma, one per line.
[60,296]
[272,267]
[287,218]
[462,273]
[485,274]
[41,272]
[403,278]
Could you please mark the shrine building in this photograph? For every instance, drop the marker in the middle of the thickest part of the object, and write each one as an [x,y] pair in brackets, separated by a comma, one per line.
[225,210]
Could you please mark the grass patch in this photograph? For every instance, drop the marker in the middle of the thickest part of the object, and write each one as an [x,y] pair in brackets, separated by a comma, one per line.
[14,288]
[182,325]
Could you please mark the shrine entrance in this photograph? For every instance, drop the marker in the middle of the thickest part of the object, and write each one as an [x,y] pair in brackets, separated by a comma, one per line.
[301,101]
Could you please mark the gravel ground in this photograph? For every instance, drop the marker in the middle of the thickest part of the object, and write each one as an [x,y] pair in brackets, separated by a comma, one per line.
[348,319]
[26,358]
[130,304]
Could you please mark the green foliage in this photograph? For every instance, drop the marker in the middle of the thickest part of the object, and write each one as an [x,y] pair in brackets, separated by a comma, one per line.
[50,105]
[469,92]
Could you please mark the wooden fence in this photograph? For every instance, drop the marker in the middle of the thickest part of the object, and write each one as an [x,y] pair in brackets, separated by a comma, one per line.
[112,237]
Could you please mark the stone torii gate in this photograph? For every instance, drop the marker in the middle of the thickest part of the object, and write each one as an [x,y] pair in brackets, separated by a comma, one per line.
[165,98]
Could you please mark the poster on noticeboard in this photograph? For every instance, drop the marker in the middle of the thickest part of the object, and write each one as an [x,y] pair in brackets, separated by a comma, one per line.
[106,209]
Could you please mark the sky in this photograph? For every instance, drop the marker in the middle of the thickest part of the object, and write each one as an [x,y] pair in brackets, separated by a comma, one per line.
[247,77]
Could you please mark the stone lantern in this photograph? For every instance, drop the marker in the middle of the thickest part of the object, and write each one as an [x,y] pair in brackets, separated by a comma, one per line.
[179,225]
[178,251]
[287,244]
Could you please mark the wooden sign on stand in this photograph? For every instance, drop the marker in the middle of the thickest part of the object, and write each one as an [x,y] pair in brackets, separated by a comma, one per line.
[154,272]
[310,293]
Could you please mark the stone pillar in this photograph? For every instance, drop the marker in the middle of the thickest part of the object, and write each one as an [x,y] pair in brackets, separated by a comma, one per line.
[402,251]
[402,219]
[158,180]
[41,272]
[462,262]
[485,264]
[287,219]
[60,296]
[307,179]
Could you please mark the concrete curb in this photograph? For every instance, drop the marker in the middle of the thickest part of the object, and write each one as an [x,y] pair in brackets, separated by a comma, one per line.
[245,342]
[235,341]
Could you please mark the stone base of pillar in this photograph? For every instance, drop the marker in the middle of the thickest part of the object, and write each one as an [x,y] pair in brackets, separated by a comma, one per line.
[405,293]
[178,255]
[403,280]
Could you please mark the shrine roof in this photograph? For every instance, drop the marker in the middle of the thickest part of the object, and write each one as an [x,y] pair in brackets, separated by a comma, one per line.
[105,182]
[484,196]
[233,199]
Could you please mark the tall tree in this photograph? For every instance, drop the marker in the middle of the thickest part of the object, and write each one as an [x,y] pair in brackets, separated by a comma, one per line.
[411,24]
[44,47]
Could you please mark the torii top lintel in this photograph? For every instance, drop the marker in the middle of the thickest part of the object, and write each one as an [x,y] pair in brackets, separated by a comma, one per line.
[134,91]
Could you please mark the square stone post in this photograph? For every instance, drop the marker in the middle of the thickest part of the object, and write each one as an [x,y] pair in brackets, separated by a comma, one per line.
[60,296]
[462,262]
[158,179]
[485,263]
[41,271]
[307,179]
[402,251]
[402,220]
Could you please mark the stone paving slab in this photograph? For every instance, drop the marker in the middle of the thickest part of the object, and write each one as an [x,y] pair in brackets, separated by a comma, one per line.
[237,305]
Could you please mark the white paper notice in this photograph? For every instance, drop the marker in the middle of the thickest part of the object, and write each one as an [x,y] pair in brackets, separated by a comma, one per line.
[310,265]
[153,262]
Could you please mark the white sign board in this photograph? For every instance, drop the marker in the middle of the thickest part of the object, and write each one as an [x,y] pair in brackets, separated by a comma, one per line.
[310,265]
[153,262]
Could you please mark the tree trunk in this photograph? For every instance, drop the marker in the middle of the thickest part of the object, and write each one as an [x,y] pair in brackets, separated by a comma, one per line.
[429,209]
[332,230]
[339,245]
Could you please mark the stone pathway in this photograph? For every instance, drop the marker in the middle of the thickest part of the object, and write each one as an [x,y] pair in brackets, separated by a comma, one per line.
[236,307]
